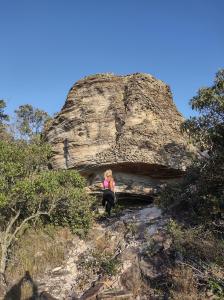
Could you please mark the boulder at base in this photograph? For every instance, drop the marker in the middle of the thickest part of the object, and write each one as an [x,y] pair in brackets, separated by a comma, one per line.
[126,123]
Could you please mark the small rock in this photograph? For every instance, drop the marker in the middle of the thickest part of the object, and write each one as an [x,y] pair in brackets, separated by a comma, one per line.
[167,244]
[56,269]
[210,294]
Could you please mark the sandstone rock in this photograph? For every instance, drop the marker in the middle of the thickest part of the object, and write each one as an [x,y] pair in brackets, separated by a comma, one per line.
[92,292]
[81,277]
[46,296]
[120,295]
[152,268]
[131,278]
[127,123]
[2,291]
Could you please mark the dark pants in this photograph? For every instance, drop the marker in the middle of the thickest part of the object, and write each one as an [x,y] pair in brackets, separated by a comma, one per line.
[108,200]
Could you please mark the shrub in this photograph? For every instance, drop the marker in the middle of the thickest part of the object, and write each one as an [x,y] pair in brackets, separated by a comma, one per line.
[75,211]
[100,262]
[201,194]
[29,191]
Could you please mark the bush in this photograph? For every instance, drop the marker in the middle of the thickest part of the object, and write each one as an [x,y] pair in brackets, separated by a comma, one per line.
[201,194]
[75,211]
[196,244]
[29,191]
[100,262]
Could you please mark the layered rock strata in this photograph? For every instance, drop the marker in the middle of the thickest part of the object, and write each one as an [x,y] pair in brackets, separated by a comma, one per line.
[127,123]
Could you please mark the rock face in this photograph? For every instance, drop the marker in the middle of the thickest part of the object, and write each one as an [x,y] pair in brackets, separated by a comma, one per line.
[127,123]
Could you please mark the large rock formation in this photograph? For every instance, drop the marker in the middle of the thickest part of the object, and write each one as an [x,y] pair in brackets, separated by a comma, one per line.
[127,123]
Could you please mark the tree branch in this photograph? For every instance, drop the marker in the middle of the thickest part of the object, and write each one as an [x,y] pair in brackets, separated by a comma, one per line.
[18,229]
[12,222]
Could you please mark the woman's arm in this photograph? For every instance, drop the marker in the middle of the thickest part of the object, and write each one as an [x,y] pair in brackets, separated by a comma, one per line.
[113,186]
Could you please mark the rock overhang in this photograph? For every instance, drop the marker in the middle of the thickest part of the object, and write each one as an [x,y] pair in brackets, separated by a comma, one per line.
[127,123]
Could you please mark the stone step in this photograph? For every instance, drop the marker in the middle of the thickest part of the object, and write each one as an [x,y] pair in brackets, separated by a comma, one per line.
[119,295]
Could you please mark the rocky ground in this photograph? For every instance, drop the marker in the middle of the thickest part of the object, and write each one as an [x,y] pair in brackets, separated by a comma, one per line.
[117,260]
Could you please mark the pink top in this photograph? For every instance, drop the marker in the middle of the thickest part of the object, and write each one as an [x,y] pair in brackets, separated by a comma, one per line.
[106,184]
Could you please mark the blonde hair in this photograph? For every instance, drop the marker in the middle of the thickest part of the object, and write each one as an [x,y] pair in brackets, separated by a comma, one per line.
[107,173]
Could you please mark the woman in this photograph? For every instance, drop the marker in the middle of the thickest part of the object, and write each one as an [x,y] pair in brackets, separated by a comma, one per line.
[108,186]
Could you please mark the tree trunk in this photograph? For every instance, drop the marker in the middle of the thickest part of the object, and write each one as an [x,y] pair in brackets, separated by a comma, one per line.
[3,263]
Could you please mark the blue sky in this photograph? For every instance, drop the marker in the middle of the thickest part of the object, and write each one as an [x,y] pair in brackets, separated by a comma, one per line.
[47,45]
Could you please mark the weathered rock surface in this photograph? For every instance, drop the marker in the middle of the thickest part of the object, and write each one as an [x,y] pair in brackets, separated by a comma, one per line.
[131,239]
[127,123]
[135,238]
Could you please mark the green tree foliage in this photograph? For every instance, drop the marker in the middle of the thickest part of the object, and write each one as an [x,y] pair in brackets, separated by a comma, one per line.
[202,191]
[3,119]
[207,130]
[30,120]
[29,191]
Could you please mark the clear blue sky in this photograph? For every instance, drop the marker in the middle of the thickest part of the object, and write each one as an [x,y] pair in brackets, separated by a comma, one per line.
[47,45]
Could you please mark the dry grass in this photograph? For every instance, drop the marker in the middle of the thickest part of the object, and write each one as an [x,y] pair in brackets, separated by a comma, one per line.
[184,284]
[103,245]
[36,252]
[202,251]
[197,243]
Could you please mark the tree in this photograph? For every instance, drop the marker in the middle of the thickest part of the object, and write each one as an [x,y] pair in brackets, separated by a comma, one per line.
[3,119]
[207,130]
[30,120]
[202,191]
[29,191]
